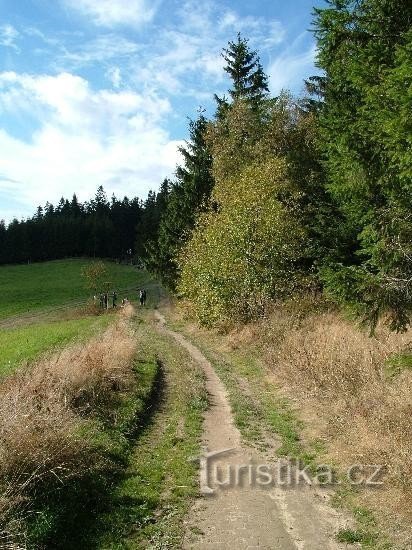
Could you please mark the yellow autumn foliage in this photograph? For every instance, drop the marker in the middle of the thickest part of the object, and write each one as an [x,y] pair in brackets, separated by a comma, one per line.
[244,254]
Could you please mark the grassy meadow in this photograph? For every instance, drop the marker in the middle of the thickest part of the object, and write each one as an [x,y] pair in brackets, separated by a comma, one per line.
[39,310]
[29,288]
[86,423]
[28,342]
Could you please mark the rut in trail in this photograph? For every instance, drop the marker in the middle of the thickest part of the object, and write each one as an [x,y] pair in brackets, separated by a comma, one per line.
[246,517]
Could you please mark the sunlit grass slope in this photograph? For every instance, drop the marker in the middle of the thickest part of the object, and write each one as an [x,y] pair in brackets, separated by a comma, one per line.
[34,287]
[22,344]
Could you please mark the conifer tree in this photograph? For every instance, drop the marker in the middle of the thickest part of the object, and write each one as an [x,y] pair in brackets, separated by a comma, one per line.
[188,195]
[72,229]
[365,50]
[249,82]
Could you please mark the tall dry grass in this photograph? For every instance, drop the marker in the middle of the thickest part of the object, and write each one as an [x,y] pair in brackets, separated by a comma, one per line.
[338,375]
[44,410]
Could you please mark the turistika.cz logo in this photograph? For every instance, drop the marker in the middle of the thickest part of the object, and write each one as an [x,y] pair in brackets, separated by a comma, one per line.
[218,473]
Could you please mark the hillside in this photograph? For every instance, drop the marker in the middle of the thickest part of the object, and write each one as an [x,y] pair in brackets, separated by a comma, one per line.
[31,288]
[76,386]
[130,401]
[45,306]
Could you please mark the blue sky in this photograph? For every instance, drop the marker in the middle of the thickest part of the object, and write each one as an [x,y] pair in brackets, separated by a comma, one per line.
[98,91]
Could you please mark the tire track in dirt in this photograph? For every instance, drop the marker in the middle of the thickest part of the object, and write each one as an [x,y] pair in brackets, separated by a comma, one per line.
[243,515]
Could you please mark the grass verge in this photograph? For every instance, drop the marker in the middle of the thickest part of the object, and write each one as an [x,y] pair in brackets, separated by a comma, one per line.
[72,517]
[65,427]
[148,507]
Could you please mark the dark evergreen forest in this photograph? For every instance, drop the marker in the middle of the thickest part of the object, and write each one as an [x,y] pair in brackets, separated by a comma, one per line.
[102,228]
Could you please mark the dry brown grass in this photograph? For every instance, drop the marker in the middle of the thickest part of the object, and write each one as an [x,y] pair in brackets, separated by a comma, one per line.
[338,377]
[43,417]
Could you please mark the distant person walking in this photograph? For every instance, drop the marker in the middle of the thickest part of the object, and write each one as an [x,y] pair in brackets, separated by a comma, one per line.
[114,298]
[142,296]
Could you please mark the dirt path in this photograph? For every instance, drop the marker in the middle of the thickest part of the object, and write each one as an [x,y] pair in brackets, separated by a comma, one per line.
[240,513]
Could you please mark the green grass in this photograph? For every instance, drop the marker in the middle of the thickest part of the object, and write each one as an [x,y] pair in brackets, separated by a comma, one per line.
[366,534]
[40,294]
[398,363]
[138,487]
[34,287]
[140,497]
[27,343]
[349,536]
[67,516]
[149,505]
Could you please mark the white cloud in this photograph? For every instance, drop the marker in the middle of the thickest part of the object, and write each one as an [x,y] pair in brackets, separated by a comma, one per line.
[8,36]
[275,34]
[211,20]
[185,59]
[114,74]
[109,13]
[180,59]
[177,56]
[114,136]
[85,138]
[100,49]
[291,66]
[37,33]
[266,33]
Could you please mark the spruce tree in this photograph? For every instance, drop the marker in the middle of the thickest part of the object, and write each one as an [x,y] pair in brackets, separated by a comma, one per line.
[246,72]
[188,195]
[365,50]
